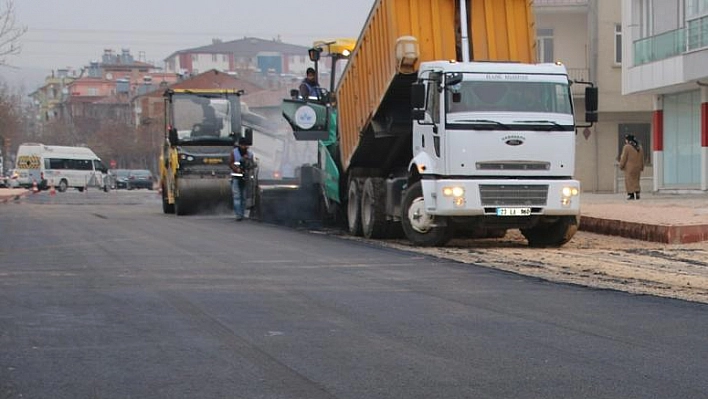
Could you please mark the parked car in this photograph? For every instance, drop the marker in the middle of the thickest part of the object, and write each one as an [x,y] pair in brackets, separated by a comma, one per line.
[140,178]
[119,178]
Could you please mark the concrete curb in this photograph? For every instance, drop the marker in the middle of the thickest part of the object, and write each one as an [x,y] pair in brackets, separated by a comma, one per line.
[667,234]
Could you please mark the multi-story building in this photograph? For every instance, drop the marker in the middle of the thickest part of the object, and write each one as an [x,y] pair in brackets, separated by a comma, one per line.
[245,56]
[49,97]
[666,56]
[587,36]
[102,90]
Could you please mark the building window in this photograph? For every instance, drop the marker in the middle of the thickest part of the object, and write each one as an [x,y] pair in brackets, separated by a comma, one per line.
[225,58]
[618,44]
[646,18]
[696,8]
[215,57]
[544,45]
[194,57]
[698,33]
[92,91]
[682,140]
[642,132]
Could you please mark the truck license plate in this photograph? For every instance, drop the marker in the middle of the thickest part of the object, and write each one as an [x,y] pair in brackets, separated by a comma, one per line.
[513,211]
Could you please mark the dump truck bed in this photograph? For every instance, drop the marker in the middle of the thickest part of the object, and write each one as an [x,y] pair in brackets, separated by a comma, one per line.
[373,97]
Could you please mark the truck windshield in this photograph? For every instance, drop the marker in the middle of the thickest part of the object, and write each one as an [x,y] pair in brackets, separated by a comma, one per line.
[199,118]
[509,96]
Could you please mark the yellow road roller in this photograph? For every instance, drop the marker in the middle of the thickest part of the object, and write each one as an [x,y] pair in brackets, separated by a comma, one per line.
[201,127]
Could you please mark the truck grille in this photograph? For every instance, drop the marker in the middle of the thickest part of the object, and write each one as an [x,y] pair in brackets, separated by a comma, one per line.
[513,195]
[513,165]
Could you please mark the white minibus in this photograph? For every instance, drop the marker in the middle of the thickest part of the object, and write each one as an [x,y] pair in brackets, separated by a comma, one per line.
[59,166]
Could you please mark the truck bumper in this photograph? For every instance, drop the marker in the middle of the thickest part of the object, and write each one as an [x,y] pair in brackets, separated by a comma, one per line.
[501,197]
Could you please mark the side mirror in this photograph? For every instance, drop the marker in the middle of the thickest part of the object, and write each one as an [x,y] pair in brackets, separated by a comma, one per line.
[248,134]
[591,100]
[294,94]
[591,104]
[417,96]
[314,54]
[172,136]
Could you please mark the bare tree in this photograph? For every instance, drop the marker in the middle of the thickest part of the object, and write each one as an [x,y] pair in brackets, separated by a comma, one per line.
[10,32]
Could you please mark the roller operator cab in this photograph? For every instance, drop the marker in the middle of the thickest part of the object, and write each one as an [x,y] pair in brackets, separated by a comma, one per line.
[201,128]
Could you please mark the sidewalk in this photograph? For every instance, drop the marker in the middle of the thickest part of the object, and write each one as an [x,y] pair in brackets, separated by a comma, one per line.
[11,194]
[665,218]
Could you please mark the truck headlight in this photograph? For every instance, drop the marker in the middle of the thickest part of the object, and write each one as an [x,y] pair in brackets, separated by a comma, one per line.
[567,195]
[456,192]
[570,191]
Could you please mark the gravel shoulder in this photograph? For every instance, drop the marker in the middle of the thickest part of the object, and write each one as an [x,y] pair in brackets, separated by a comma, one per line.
[592,260]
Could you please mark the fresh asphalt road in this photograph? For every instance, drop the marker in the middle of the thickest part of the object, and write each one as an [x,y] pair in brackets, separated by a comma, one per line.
[103,296]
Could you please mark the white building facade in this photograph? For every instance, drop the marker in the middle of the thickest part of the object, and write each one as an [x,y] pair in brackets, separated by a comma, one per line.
[586,36]
[666,55]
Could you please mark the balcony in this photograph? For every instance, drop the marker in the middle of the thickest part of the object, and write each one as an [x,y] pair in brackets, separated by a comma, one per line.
[582,74]
[672,43]
[659,47]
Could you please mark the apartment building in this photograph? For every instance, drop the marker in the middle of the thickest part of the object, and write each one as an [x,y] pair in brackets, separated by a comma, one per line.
[243,56]
[48,98]
[666,53]
[587,36]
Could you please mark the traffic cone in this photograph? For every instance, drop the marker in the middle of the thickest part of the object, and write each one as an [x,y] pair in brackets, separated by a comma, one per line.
[52,190]
[35,189]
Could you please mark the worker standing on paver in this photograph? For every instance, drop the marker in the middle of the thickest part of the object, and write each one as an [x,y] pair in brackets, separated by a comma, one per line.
[632,163]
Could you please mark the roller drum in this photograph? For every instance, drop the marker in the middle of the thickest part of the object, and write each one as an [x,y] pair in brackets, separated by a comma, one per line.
[203,196]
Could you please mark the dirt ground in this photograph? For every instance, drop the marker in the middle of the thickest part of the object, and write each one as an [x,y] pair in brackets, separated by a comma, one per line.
[592,260]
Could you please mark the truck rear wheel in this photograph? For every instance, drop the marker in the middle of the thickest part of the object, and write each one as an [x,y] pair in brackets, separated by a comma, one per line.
[421,228]
[373,208]
[63,185]
[354,208]
[553,234]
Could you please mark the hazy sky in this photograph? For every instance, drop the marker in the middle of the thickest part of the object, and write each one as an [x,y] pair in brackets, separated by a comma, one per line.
[71,33]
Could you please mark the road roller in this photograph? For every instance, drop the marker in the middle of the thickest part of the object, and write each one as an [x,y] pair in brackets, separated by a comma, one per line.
[201,127]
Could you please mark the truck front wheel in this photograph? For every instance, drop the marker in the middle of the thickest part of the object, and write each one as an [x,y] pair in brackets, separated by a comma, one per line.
[421,228]
[553,234]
